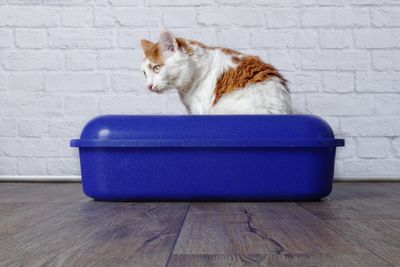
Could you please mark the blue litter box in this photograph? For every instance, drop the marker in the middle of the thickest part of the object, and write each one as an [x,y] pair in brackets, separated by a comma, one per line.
[193,158]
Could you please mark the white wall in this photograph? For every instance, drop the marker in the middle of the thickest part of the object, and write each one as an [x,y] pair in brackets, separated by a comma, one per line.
[65,61]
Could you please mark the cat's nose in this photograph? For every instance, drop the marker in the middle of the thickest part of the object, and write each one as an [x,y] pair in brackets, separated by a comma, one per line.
[150,86]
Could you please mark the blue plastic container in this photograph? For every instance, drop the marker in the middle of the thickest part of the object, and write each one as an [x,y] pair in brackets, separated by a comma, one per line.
[189,158]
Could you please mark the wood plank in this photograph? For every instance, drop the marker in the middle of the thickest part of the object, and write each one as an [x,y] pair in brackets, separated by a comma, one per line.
[380,236]
[16,217]
[98,234]
[56,225]
[248,260]
[41,192]
[359,201]
[261,228]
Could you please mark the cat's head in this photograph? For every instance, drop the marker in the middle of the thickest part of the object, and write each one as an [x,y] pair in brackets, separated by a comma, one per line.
[166,64]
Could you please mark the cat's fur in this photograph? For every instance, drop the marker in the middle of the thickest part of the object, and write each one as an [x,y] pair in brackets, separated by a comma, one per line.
[214,80]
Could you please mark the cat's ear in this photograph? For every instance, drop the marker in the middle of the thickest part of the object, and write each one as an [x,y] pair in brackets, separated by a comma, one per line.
[146,44]
[168,42]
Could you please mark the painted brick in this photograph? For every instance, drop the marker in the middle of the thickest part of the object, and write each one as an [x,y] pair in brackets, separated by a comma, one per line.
[8,166]
[340,105]
[387,104]
[328,16]
[7,127]
[283,17]
[28,38]
[43,148]
[318,60]
[371,168]
[178,2]
[63,166]
[120,59]
[24,2]
[34,60]
[377,38]
[338,82]
[287,60]
[377,82]
[4,81]
[396,146]
[26,81]
[335,38]
[174,105]
[373,147]
[81,106]
[226,16]
[125,2]
[130,38]
[81,38]
[64,62]
[29,16]
[128,82]
[75,82]
[305,81]
[32,105]
[6,38]
[299,103]
[237,38]
[122,104]
[66,3]
[349,150]
[66,128]
[137,17]
[370,126]
[285,38]
[272,38]
[385,17]
[206,35]
[179,17]
[275,3]
[27,166]
[386,60]
[77,17]
[33,127]
[80,60]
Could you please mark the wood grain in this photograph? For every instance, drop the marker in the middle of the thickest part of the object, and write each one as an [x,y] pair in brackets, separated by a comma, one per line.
[380,236]
[258,260]
[89,233]
[261,228]
[41,192]
[359,201]
[56,225]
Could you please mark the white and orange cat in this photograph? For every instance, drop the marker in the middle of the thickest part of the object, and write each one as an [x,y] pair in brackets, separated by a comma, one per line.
[214,80]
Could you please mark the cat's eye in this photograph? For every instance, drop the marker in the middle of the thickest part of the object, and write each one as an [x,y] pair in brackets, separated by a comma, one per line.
[144,74]
[156,68]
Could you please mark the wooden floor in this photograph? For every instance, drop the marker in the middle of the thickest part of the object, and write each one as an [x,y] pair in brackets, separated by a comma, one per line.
[55,225]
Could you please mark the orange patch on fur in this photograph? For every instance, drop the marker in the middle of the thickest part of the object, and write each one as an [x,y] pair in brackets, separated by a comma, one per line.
[250,70]
[184,45]
[152,52]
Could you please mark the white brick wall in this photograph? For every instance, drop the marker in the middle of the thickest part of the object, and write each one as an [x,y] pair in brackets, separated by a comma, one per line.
[65,61]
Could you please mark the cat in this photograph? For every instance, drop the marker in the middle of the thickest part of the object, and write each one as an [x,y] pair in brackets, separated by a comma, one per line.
[214,80]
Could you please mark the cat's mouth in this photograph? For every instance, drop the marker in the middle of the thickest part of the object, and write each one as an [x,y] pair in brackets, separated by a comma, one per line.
[158,90]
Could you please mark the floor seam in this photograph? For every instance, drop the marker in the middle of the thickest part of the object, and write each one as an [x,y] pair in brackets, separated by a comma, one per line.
[177,236]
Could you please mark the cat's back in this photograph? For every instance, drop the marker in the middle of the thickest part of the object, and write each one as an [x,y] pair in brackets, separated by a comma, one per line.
[235,83]
[251,87]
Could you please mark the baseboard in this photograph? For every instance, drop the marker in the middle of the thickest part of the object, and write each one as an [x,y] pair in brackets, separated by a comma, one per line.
[368,179]
[40,179]
[77,179]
